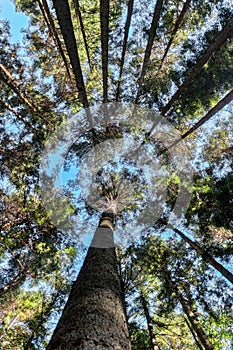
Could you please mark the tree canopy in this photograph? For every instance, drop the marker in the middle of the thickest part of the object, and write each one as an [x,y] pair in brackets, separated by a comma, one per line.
[171,57]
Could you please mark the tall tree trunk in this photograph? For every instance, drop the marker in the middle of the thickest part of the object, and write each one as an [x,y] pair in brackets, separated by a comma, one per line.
[104,23]
[53,32]
[152,33]
[221,104]
[219,40]
[205,255]
[193,334]
[79,16]
[94,315]
[154,344]
[64,18]
[126,34]
[176,27]
[189,312]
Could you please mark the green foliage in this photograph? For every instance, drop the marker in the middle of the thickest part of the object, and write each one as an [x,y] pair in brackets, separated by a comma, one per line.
[37,262]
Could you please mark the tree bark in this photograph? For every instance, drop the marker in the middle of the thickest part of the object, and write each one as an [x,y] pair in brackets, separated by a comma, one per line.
[9,80]
[94,315]
[154,344]
[65,22]
[79,16]
[221,104]
[189,312]
[193,334]
[152,33]
[53,32]
[206,256]
[126,34]
[176,27]
[219,40]
[104,23]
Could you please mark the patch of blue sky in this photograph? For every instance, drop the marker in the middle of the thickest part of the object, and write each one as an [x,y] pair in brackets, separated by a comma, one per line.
[6,186]
[17,20]
[5,265]
[12,127]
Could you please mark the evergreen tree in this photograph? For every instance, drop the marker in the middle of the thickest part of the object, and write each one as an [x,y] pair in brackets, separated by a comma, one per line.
[174,57]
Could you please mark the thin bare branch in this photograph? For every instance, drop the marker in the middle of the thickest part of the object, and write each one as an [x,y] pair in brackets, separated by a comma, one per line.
[18,115]
[14,85]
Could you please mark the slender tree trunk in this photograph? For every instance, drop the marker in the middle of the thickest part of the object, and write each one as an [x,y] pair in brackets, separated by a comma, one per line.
[126,34]
[189,312]
[64,18]
[8,79]
[53,32]
[152,33]
[79,16]
[221,104]
[94,315]
[154,344]
[206,256]
[176,27]
[193,334]
[219,40]
[104,23]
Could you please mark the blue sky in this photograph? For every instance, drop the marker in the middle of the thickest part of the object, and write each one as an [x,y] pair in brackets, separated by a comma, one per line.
[17,20]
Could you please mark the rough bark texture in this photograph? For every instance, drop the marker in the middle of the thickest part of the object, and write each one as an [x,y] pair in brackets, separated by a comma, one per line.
[104,24]
[94,315]
[79,16]
[193,334]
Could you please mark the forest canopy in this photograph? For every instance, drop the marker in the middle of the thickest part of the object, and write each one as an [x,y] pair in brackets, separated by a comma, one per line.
[165,67]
